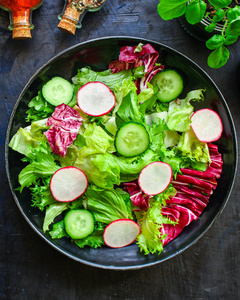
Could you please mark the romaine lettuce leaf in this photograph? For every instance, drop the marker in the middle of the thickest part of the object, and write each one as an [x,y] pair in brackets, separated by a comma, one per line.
[108,205]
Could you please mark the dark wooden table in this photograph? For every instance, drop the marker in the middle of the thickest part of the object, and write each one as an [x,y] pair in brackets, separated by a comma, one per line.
[29,267]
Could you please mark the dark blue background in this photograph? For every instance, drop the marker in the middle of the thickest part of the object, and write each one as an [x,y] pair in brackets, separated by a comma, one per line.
[29,267]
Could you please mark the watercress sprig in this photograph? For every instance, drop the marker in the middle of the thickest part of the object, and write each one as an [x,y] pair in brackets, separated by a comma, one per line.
[195,11]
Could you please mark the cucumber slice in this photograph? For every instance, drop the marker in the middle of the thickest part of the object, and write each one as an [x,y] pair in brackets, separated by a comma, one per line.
[131,139]
[57,91]
[79,223]
[170,85]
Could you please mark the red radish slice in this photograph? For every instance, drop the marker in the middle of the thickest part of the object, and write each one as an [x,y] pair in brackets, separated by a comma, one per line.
[95,99]
[155,178]
[207,125]
[121,233]
[68,183]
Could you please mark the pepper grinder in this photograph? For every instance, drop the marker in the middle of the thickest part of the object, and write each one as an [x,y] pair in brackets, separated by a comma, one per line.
[74,11]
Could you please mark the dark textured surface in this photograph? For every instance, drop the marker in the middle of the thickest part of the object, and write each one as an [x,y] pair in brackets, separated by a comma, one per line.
[29,267]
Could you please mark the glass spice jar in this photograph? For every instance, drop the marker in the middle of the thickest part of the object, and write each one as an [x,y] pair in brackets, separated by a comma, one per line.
[20,12]
[74,11]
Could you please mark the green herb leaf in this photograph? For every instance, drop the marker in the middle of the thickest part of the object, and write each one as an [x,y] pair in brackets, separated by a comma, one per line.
[195,11]
[218,57]
[229,40]
[210,27]
[234,27]
[170,9]
[219,15]
[215,42]
[233,13]
[220,3]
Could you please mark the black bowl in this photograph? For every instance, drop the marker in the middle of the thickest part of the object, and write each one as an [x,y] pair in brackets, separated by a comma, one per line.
[97,54]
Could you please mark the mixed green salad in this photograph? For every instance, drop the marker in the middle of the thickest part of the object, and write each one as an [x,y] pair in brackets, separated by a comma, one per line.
[116,156]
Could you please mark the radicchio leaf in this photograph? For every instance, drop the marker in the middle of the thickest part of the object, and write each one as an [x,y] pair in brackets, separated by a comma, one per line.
[64,126]
[193,191]
[131,57]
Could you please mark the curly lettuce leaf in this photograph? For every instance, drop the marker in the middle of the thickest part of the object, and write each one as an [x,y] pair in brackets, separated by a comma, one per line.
[39,108]
[150,238]
[41,194]
[193,149]
[108,205]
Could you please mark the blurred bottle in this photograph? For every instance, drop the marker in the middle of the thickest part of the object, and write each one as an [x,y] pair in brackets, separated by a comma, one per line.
[20,12]
[74,11]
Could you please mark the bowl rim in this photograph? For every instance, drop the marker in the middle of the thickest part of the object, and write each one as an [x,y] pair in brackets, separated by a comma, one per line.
[68,51]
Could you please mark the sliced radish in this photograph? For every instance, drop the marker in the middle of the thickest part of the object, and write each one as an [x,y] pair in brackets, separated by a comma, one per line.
[95,99]
[207,125]
[155,178]
[121,233]
[68,183]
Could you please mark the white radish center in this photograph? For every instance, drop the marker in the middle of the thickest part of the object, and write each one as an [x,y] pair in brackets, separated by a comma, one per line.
[155,178]
[68,183]
[207,125]
[121,233]
[95,99]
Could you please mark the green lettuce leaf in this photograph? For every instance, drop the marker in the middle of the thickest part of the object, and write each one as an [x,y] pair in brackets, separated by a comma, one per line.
[180,111]
[150,238]
[94,240]
[108,205]
[97,141]
[129,110]
[121,90]
[86,75]
[29,137]
[193,149]
[134,165]
[41,194]
[39,108]
[58,230]
[52,211]
[42,164]
[101,169]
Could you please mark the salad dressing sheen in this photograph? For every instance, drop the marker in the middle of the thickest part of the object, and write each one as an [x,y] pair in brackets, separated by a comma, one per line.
[20,16]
